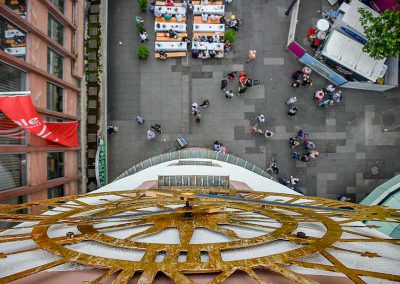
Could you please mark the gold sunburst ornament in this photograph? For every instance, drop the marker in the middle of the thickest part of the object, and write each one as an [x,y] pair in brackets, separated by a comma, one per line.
[252,230]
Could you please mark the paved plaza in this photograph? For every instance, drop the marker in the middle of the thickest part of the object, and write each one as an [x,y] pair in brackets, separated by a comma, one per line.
[355,154]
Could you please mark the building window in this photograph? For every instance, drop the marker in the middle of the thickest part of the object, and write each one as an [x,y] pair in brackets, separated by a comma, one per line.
[10,133]
[56,191]
[11,79]
[54,63]
[12,171]
[55,100]
[19,6]
[12,39]
[55,30]
[55,165]
[59,4]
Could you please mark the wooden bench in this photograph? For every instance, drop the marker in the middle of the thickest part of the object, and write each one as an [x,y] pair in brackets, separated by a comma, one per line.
[172,20]
[162,3]
[197,20]
[162,37]
[209,3]
[173,54]
[198,34]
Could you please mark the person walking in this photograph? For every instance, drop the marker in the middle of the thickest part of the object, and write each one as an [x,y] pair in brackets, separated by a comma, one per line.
[139,119]
[195,106]
[143,36]
[157,128]
[251,55]
[232,76]
[151,134]
[293,142]
[205,103]
[291,101]
[260,118]
[292,111]
[229,94]
[294,180]
[268,133]
[198,116]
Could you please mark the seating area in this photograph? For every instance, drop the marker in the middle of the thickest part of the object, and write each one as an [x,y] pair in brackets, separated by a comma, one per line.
[172,38]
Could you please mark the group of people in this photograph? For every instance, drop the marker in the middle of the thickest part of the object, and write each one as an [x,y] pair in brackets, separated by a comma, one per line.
[309,147]
[301,78]
[195,109]
[256,129]
[328,96]
[219,147]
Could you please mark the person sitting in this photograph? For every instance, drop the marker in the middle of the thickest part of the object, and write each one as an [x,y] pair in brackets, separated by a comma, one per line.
[203,38]
[213,17]
[163,54]
[296,84]
[234,23]
[215,38]
[204,17]
[169,3]
[204,2]
[172,33]
[227,46]
[212,53]
[209,39]
[205,54]
[337,97]
[329,89]
[157,13]
[195,53]
[222,20]
[217,146]
[293,142]
[219,54]
[179,17]
[196,38]
[167,16]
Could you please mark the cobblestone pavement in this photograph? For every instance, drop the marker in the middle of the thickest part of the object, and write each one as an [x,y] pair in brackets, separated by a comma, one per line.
[349,136]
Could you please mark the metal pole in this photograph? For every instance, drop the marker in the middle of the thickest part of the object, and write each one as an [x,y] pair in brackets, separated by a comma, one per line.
[290,7]
[15,93]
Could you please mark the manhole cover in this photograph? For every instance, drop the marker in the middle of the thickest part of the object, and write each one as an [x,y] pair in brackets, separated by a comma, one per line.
[374,170]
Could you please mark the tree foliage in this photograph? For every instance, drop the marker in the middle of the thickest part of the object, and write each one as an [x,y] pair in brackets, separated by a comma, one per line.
[230,35]
[382,33]
[143,52]
[143,5]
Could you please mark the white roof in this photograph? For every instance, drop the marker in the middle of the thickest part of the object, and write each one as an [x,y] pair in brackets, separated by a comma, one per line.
[349,53]
[352,16]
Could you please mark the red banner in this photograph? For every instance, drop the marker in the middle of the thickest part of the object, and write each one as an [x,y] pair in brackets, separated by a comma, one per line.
[22,112]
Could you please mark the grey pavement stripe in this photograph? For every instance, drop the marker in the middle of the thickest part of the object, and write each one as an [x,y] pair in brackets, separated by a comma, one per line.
[274,61]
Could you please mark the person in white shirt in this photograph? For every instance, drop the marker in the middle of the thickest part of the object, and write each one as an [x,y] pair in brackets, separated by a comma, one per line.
[216,38]
[261,118]
[213,17]
[204,17]
[204,2]
[143,36]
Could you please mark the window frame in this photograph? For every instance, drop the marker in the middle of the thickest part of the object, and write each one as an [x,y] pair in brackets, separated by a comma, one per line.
[63,165]
[53,18]
[62,96]
[49,66]
[62,10]
[19,29]
[24,173]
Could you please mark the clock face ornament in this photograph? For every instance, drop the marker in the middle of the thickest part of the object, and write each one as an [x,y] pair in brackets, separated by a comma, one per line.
[191,231]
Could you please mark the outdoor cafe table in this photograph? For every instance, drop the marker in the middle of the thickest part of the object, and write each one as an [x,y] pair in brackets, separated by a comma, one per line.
[170,46]
[208,28]
[206,45]
[160,26]
[171,10]
[209,9]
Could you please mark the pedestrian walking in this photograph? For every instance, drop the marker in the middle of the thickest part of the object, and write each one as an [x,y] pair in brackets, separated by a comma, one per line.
[294,180]
[232,76]
[292,111]
[205,103]
[251,55]
[302,134]
[291,101]
[195,106]
[111,129]
[152,7]
[157,128]
[268,133]
[143,36]
[229,94]
[293,142]
[151,134]
[283,181]
[224,83]
[260,118]
[139,119]
[296,155]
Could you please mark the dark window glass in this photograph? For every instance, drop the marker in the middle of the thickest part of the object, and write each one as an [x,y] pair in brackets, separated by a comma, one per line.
[53,119]
[59,4]
[12,39]
[10,133]
[19,6]
[55,165]
[14,201]
[55,30]
[55,63]
[56,191]
[12,171]
[55,99]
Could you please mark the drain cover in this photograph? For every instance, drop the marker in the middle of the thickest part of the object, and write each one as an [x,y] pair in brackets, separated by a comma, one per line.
[374,170]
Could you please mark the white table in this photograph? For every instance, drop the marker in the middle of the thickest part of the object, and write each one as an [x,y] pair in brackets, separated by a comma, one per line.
[12,33]
[209,9]
[160,26]
[206,45]
[208,28]
[170,10]
[170,46]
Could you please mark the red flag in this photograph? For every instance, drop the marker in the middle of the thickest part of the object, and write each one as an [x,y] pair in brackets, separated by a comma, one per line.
[22,112]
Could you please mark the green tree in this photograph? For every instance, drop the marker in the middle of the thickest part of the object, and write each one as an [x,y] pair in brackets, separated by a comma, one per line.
[143,5]
[230,35]
[382,33]
[143,52]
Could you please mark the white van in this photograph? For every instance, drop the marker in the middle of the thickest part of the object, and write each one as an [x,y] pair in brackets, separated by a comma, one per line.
[346,57]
